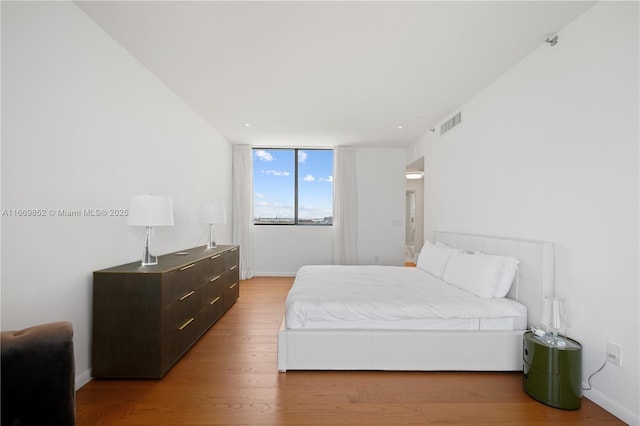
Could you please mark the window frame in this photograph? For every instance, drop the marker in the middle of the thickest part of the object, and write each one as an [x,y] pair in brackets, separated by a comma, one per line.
[296,184]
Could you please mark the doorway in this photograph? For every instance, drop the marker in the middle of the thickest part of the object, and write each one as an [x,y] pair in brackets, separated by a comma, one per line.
[414,211]
[410,228]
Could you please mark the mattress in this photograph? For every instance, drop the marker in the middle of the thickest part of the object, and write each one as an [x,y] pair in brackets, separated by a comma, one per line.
[391,298]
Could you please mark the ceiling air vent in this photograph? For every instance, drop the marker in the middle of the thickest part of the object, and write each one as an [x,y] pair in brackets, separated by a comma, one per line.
[451,123]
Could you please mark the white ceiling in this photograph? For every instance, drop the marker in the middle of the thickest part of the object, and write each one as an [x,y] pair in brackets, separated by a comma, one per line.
[329,73]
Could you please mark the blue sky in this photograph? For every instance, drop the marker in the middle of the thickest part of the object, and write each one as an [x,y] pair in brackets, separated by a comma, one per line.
[273,183]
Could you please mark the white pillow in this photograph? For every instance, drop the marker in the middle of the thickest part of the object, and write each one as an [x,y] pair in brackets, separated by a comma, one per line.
[477,274]
[509,267]
[433,258]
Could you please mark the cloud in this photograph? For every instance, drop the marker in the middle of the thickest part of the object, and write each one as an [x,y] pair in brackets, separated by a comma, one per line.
[258,195]
[274,173]
[312,178]
[302,156]
[263,155]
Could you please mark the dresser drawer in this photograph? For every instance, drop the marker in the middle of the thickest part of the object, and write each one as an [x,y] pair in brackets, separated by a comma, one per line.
[213,297]
[231,259]
[213,282]
[231,293]
[214,308]
[179,312]
[212,289]
[179,340]
[181,281]
[213,266]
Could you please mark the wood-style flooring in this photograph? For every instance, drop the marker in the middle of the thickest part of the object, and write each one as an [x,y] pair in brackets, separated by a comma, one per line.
[230,377]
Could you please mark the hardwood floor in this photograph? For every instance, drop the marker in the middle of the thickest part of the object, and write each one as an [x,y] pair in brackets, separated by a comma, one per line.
[230,377]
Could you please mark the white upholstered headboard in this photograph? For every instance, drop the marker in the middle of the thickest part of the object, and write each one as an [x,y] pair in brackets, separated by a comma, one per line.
[536,265]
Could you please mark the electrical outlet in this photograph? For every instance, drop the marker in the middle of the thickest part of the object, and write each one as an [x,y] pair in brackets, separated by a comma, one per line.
[613,353]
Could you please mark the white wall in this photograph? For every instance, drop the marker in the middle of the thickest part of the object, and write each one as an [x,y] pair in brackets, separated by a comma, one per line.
[85,126]
[281,250]
[415,152]
[550,151]
[381,205]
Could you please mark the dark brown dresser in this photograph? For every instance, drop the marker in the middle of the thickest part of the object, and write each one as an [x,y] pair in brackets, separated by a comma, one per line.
[146,317]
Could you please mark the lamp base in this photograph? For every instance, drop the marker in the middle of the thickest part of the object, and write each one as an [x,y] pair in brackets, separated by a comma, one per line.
[148,259]
[212,236]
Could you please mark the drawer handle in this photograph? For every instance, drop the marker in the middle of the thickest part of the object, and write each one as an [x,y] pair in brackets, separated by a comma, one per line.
[185,324]
[214,300]
[214,257]
[233,267]
[187,295]
[214,278]
[234,249]
[187,267]
[234,284]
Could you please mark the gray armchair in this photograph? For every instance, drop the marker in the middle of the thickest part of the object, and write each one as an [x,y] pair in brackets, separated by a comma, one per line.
[38,376]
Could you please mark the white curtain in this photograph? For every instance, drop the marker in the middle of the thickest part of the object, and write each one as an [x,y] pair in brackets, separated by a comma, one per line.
[243,208]
[345,207]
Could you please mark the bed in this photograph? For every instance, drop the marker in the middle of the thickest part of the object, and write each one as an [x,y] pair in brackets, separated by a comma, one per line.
[396,340]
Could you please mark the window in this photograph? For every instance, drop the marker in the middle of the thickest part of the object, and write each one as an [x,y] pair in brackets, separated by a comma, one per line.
[293,186]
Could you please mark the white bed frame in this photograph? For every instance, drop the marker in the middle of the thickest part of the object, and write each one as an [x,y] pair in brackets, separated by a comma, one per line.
[415,350]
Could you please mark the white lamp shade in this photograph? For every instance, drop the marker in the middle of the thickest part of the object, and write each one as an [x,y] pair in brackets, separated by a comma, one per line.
[150,210]
[212,213]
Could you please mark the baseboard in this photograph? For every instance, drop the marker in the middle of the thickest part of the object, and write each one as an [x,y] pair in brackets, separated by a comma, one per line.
[613,407]
[274,274]
[83,378]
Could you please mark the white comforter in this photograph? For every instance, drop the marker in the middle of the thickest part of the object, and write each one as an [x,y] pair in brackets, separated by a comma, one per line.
[385,297]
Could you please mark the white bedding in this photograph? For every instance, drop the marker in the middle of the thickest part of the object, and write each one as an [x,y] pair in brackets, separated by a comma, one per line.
[392,298]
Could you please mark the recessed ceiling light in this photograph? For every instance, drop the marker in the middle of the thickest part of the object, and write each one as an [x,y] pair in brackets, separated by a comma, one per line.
[247,124]
[400,127]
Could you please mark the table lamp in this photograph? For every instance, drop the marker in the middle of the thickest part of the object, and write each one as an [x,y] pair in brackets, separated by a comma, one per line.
[555,320]
[211,214]
[150,211]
